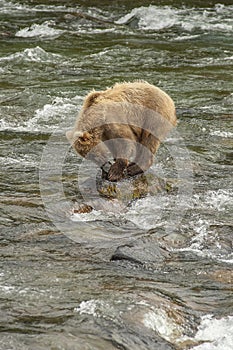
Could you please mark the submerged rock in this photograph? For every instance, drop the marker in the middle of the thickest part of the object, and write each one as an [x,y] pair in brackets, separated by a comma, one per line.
[114,194]
[133,188]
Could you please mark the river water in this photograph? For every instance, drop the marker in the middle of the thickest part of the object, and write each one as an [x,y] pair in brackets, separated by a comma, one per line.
[156,274]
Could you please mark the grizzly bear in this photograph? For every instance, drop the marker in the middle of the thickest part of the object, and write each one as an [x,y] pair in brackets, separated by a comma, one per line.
[127,123]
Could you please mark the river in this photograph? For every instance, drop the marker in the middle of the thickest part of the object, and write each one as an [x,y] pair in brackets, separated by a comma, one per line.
[155,274]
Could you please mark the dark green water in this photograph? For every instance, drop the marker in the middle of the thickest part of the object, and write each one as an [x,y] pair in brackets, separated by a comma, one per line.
[157,275]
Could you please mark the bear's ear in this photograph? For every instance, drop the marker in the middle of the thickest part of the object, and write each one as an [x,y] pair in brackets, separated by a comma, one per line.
[69,135]
[83,137]
[90,99]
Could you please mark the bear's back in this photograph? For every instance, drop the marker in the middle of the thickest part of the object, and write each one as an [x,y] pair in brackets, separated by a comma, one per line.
[138,93]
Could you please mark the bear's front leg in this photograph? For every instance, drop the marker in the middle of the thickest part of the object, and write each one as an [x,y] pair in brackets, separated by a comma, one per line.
[116,171]
[134,169]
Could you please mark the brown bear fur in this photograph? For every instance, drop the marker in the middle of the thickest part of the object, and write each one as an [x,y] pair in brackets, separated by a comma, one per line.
[129,120]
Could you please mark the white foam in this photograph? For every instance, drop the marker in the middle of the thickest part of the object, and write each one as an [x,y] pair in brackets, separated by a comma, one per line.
[91,30]
[8,7]
[97,308]
[6,289]
[47,118]
[159,321]
[198,244]
[161,17]
[152,17]
[221,133]
[142,214]
[186,37]
[205,20]
[92,216]
[43,30]
[219,200]
[51,112]
[15,7]
[22,161]
[217,334]
[228,261]
[87,307]
[36,54]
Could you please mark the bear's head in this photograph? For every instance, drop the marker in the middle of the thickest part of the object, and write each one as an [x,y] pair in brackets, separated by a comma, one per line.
[83,141]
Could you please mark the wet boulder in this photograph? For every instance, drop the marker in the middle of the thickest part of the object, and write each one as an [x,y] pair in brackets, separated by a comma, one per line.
[104,194]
